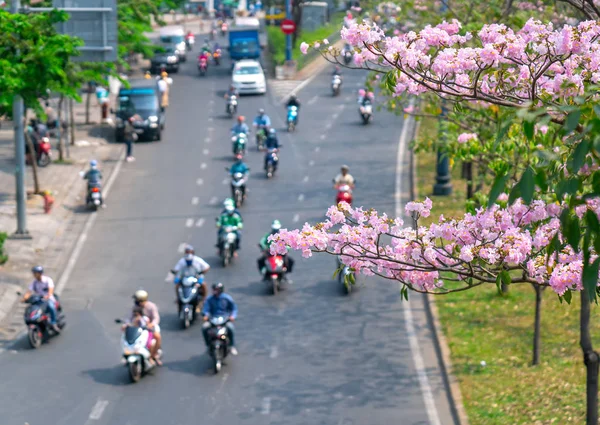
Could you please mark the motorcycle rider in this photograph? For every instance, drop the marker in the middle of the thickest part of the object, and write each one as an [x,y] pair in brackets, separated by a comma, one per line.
[220,304]
[230,201]
[93,177]
[151,312]
[203,55]
[190,265]
[262,119]
[265,245]
[44,286]
[336,71]
[206,46]
[229,218]
[239,167]
[293,101]
[240,127]
[271,143]
[344,178]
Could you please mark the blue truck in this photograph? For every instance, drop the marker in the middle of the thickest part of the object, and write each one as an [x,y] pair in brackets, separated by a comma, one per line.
[244,40]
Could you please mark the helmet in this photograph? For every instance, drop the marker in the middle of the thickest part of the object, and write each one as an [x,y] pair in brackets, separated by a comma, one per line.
[93,163]
[140,295]
[261,111]
[227,201]
[345,168]
[37,269]
[272,131]
[189,258]
[241,119]
[275,226]
[218,287]
[229,209]
[189,249]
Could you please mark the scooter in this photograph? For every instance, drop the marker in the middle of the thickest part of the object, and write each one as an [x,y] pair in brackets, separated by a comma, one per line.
[217,57]
[345,276]
[275,271]
[37,320]
[272,161]
[366,112]
[43,153]
[223,29]
[219,341]
[347,57]
[188,297]
[232,105]
[93,198]
[136,353]
[227,244]
[189,42]
[202,66]
[344,194]
[292,118]
[239,145]
[238,184]
[336,84]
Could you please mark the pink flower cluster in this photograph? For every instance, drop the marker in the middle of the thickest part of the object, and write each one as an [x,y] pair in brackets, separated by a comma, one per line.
[465,137]
[537,63]
[474,248]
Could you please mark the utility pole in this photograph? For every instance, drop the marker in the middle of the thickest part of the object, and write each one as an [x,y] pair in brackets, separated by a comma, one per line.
[443,186]
[288,38]
[18,112]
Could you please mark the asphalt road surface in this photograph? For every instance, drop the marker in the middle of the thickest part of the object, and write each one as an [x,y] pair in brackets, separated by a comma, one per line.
[310,355]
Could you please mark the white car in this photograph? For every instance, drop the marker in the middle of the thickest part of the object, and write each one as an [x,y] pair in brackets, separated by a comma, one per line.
[249,77]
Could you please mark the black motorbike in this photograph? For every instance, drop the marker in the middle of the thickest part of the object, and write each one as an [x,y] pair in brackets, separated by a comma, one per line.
[219,341]
[188,297]
[94,196]
[37,320]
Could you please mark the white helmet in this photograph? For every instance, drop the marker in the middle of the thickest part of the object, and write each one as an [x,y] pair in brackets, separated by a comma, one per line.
[140,295]
[276,225]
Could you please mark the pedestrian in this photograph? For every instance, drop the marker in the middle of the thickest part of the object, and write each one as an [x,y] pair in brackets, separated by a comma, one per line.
[130,136]
[164,84]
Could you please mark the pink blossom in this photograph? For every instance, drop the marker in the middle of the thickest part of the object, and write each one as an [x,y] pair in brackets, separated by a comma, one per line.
[317,45]
[303,48]
[410,109]
[465,137]
[325,41]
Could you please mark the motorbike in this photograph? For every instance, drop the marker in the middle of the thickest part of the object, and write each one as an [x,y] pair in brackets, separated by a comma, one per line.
[188,298]
[223,29]
[274,272]
[261,136]
[93,198]
[202,66]
[344,194]
[227,244]
[336,84]
[272,161]
[232,105]
[239,145]
[136,355]
[43,154]
[37,320]
[218,340]
[347,57]
[189,42]
[366,112]
[238,183]
[345,276]
[292,118]
[217,57]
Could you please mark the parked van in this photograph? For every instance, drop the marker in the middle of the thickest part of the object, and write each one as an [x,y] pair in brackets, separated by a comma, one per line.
[174,36]
[142,98]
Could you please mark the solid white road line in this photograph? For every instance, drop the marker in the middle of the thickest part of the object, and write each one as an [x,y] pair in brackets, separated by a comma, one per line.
[199,182]
[432,412]
[195,200]
[200,222]
[189,222]
[64,277]
[98,409]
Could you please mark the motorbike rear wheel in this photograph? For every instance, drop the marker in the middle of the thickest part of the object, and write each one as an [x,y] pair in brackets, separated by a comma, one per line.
[270,171]
[238,198]
[274,285]
[291,126]
[44,160]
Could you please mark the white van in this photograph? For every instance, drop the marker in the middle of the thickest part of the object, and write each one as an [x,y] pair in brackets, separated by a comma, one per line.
[174,36]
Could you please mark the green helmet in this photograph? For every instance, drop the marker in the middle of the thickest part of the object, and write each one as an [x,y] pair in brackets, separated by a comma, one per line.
[228,202]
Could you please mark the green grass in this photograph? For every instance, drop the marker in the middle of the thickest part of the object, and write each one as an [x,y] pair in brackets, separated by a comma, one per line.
[481,325]
[3,256]
[277,39]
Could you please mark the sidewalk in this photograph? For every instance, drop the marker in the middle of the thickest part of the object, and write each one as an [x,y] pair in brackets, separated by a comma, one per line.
[53,234]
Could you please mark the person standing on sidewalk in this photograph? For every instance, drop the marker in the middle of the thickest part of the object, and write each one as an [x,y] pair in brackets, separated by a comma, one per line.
[130,136]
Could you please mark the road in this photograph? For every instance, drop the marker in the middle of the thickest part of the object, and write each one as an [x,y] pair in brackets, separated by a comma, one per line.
[310,355]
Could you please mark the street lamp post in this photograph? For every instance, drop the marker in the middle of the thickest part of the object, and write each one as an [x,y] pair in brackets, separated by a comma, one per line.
[288,38]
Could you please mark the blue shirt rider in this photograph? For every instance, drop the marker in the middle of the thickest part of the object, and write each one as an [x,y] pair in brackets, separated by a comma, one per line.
[220,304]
[262,119]
[239,167]
[240,127]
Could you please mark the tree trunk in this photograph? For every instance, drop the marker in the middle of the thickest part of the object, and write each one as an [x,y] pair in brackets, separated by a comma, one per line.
[88,101]
[72,122]
[539,290]
[590,359]
[467,174]
[36,182]
[61,136]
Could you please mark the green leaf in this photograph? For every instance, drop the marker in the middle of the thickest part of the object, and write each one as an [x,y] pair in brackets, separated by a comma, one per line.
[499,284]
[515,193]
[590,278]
[497,189]
[529,129]
[572,121]
[578,157]
[502,133]
[592,221]
[505,277]
[390,81]
[527,185]
[567,296]
[541,180]
[573,233]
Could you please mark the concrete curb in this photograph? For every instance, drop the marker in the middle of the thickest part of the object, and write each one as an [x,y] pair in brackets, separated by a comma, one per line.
[440,342]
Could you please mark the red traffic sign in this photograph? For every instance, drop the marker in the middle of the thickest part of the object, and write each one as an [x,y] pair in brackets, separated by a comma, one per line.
[288,26]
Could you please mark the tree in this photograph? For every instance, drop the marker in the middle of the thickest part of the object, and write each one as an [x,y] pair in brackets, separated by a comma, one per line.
[549,234]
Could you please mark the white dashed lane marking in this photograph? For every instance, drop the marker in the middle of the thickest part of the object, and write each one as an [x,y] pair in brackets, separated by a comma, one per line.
[195,200]
[305,179]
[199,182]
[189,222]
[200,222]
[296,218]
[213,200]
[311,162]
[203,166]
[301,197]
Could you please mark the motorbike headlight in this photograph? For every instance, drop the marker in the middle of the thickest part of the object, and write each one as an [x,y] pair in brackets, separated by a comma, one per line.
[171,59]
[153,118]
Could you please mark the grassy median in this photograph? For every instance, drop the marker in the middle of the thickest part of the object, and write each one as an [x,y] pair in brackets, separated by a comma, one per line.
[481,325]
